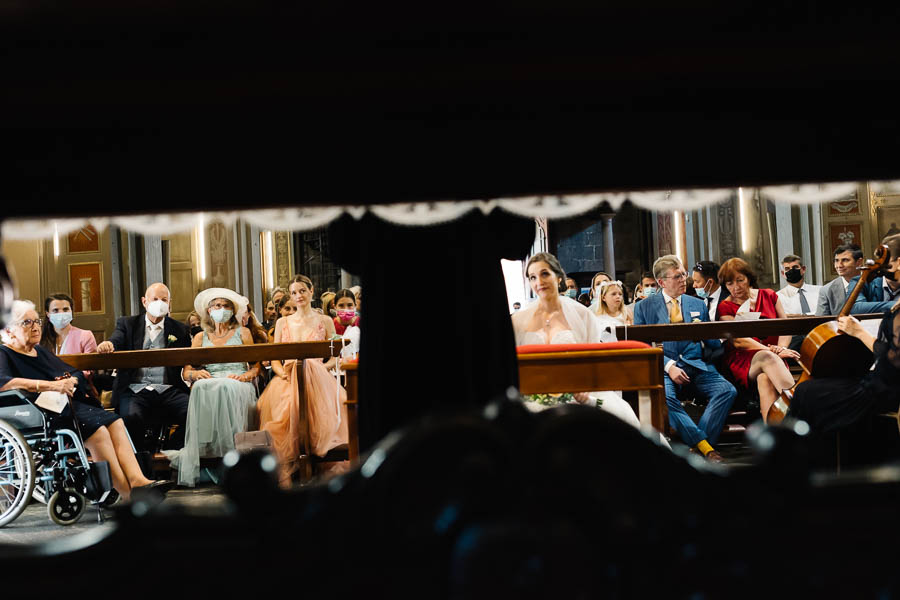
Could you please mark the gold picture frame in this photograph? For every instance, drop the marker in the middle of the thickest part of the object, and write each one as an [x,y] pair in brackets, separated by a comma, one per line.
[86,287]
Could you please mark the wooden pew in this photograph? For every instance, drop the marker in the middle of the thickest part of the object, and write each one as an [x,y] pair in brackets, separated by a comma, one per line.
[133,359]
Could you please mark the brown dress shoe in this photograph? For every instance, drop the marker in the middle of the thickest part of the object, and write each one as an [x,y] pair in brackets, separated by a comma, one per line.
[714,457]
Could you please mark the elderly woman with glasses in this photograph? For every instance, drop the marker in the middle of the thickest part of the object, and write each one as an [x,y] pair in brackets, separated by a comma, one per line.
[752,360]
[27,366]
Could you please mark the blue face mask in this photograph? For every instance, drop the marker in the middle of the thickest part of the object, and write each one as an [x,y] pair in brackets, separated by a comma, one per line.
[220,315]
[701,293]
[572,294]
[60,320]
[649,291]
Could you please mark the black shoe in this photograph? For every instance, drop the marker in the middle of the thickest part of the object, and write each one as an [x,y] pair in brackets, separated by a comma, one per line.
[159,487]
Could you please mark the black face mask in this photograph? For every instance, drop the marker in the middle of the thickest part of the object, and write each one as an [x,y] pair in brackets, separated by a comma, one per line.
[890,275]
[195,330]
[793,275]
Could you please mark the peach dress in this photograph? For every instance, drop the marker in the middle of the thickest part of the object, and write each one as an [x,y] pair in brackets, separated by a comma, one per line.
[279,409]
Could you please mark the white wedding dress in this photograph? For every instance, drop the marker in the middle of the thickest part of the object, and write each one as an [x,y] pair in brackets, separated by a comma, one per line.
[585,328]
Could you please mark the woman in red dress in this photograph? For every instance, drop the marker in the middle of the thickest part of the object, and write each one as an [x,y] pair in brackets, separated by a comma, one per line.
[750,359]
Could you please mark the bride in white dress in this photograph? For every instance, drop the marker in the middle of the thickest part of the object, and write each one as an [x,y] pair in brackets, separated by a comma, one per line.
[555,319]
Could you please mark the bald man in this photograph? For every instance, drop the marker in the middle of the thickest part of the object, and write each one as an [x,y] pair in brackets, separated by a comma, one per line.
[155,395]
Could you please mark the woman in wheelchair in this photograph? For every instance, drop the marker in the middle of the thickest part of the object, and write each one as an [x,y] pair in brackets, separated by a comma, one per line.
[26,365]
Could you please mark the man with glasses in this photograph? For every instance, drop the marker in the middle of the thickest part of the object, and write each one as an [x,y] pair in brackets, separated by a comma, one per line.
[154,394]
[684,363]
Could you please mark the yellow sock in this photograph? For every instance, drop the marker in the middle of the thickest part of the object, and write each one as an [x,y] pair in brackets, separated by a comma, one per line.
[704,447]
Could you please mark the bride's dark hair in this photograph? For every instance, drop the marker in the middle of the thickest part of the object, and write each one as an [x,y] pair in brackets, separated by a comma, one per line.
[554,266]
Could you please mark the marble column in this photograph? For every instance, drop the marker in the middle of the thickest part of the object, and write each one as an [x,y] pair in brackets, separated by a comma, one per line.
[609,257]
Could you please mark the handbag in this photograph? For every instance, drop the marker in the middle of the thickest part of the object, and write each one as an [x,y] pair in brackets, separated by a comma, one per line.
[245,441]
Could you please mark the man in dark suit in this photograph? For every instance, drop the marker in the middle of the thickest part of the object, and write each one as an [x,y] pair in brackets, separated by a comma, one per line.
[156,394]
[684,364]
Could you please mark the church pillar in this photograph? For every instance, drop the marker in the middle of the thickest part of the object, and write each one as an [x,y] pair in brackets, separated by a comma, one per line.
[153,260]
[609,257]
[784,236]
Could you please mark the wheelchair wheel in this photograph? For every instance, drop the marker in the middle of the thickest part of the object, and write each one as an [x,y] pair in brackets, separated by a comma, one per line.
[66,506]
[16,473]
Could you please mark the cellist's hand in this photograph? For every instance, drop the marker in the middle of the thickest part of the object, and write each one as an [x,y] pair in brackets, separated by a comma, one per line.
[850,325]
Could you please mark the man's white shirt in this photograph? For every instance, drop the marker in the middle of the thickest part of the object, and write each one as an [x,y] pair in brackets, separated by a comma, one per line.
[790,298]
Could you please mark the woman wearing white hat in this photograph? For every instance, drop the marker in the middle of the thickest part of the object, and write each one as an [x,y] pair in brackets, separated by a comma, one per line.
[223,399]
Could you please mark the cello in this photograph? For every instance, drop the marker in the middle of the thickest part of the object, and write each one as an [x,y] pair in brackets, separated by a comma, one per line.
[826,351]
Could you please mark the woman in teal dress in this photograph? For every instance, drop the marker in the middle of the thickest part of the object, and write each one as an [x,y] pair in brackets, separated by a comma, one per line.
[223,398]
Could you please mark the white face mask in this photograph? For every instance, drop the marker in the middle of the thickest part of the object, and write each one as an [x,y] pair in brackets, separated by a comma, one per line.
[158,308]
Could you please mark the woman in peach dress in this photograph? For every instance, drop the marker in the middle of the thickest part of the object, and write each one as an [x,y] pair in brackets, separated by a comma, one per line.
[279,404]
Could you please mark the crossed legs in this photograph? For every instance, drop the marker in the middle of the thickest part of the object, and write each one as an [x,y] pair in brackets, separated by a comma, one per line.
[771,376]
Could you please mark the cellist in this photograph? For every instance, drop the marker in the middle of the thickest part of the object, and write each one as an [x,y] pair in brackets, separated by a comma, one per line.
[835,403]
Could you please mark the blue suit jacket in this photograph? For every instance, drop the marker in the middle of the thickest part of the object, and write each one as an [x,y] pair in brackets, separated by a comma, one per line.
[652,311]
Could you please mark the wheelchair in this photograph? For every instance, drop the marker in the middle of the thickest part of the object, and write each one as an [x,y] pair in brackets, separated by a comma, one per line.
[46,464]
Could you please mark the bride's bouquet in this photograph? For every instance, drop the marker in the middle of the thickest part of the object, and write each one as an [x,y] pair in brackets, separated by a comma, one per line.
[548,400]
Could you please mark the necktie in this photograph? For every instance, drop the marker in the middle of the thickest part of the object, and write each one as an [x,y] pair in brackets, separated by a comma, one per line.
[675,311]
[804,305]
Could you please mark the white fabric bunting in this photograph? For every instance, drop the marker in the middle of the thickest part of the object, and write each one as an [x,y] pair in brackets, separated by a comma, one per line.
[429,213]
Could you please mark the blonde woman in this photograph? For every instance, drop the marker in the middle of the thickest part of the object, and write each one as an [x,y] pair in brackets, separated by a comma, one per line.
[611,306]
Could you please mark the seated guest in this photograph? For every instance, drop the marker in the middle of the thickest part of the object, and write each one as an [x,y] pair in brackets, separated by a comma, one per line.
[222,395]
[753,360]
[26,365]
[153,394]
[883,289]
[279,404]
[271,312]
[835,403]
[611,308]
[345,305]
[193,323]
[59,335]
[556,319]
[327,300]
[684,363]
[598,278]
[797,297]
[571,289]
[284,308]
[259,335]
[832,297]
[705,280]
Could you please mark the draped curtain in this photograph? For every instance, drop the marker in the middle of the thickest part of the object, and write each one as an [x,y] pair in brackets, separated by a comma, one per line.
[428,213]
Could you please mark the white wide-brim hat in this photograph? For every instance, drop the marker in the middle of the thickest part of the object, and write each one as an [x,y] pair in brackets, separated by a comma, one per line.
[201,302]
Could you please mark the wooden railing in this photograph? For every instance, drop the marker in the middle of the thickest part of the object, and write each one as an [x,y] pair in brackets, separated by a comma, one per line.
[176,357]
[726,329]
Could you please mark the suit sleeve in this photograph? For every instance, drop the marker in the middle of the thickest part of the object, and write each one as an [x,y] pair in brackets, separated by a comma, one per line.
[861,308]
[119,337]
[704,317]
[639,314]
[822,308]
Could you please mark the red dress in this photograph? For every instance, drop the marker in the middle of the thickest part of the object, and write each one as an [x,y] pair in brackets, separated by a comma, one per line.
[738,361]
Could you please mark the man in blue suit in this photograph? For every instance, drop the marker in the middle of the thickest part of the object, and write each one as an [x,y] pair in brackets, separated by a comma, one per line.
[684,363]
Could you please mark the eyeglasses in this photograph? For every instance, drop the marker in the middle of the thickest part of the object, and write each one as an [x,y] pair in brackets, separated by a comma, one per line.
[676,276]
[29,323]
